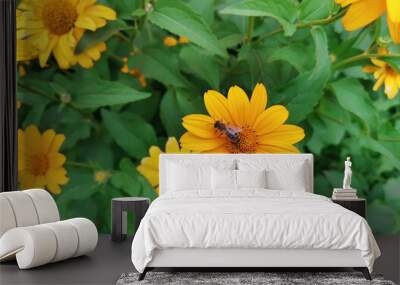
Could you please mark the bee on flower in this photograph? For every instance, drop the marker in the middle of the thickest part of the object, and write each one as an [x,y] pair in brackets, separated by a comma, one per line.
[236,124]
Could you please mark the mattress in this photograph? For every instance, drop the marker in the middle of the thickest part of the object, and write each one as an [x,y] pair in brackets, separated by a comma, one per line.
[250,219]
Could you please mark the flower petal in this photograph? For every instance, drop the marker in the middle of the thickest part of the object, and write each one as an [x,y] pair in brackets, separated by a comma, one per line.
[32,139]
[271,119]
[393,9]
[379,82]
[238,103]
[57,142]
[150,174]
[258,103]
[46,140]
[85,22]
[362,13]
[391,88]
[56,160]
[200,125]
[217,106]
[172,146]
[102,12]
[198,144]
[283,135]
[344,3]
[277,149]
[394,29]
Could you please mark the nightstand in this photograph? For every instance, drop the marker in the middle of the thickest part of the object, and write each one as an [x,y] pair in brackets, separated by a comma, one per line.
[120,206]
[358,205]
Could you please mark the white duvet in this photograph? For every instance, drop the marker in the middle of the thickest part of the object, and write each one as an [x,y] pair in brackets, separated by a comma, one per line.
[253,218]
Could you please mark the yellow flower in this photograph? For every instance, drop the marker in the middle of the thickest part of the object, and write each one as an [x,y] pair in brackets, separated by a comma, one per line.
[149,165]
[183,40]
[26,51]
[384,73]
[50,26]
[239,125]
[170,41]
[101,176]
[364,12]
[40,165]
[135,72]
[87,58]
[21,70]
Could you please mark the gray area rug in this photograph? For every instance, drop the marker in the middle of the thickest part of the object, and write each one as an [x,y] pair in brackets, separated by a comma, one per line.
[233,278]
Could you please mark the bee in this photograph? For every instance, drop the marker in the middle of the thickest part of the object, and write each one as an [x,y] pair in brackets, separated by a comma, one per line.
[232,132]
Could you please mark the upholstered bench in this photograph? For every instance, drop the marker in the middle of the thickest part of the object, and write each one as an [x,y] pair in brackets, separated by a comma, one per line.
[31,230]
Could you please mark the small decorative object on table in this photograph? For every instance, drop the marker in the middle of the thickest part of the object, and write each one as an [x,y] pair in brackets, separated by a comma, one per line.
[346,193]
[120,206]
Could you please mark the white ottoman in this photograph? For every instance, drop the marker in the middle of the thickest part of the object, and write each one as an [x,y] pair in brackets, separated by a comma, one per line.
[31,232]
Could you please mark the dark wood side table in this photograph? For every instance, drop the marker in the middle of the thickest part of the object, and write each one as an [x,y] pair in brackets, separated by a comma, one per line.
[358,205]
[119,207]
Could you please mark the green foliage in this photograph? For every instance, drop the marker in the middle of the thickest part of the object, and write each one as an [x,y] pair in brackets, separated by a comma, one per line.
[297,49]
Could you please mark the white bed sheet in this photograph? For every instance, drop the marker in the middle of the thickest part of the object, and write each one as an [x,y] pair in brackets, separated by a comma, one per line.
[251,218]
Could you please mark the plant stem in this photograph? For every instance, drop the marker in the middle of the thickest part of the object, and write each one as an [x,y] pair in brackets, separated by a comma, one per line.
[123,37]
[362,56]
[80,164]
[51,98]
[325,21]
[250,28]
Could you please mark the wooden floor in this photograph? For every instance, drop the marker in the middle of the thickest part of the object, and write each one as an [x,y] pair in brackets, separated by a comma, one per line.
[110,259]
[103,266]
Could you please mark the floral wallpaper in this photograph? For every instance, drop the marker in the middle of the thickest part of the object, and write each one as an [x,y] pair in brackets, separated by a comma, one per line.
[105,86]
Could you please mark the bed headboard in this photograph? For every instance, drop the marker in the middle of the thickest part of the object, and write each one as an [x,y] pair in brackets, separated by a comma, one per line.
[207,159]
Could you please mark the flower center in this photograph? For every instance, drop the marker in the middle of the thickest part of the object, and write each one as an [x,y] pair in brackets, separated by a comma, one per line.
[239,140]
[39,164]
[59,16]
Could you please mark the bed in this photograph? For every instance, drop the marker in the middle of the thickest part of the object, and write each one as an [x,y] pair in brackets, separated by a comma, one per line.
[246,211]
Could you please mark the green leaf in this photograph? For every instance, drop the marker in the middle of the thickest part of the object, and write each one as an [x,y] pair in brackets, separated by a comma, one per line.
[178,18]
[327,123]
[175,105]
[290,54]
[304,92]
[132,134]
[382,218]
[127,178]
[138,12]
[315,9]
[392,190]
[284,11]
[159,65]
[90,38]
[394,62]
[202,65]
[352,97]
[170,115]
[102,93]
[81,186]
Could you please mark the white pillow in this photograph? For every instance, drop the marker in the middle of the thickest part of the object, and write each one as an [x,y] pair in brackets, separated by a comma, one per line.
[293,180]
[251,178]
[181,177]
[290,174]
[223,179]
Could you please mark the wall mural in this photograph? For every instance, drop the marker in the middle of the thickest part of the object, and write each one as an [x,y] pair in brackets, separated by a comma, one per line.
[105,87]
